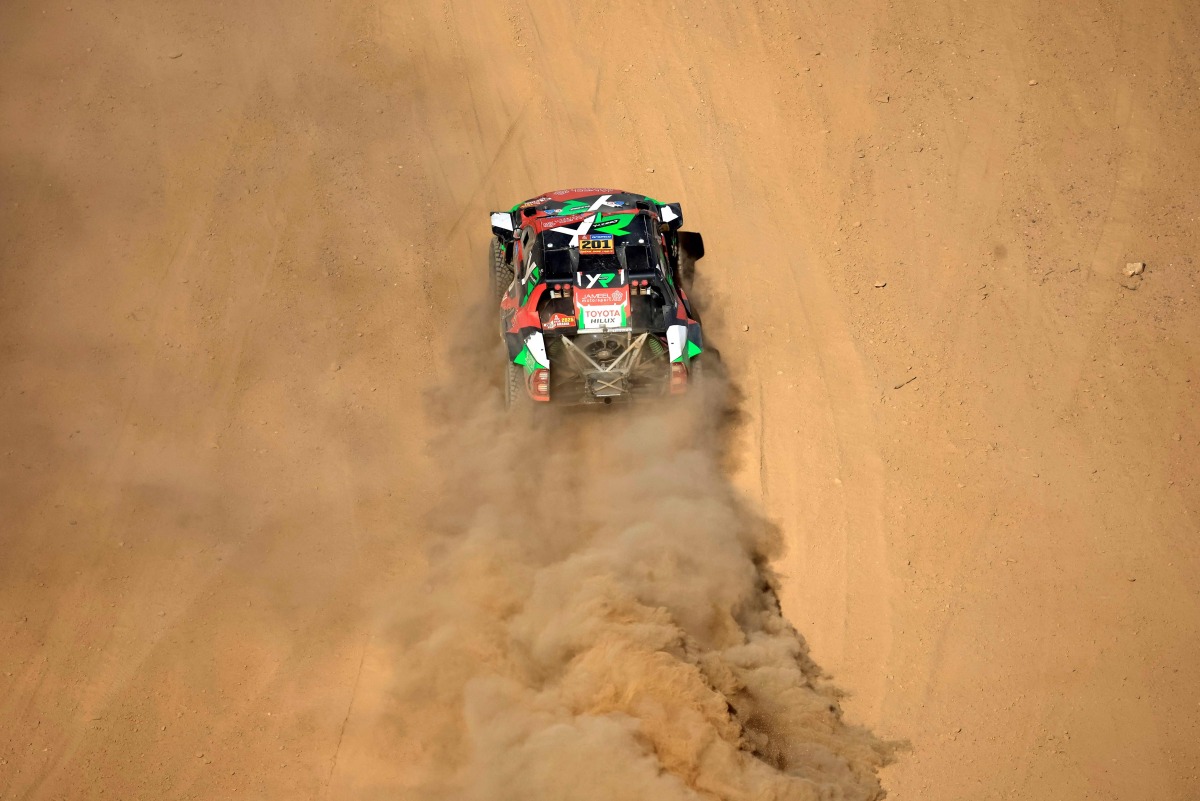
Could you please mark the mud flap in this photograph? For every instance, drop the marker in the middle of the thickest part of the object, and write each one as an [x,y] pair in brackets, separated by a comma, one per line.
[692,244]
[684,342]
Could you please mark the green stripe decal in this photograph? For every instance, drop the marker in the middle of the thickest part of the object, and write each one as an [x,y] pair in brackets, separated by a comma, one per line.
[690,351]
[613,224]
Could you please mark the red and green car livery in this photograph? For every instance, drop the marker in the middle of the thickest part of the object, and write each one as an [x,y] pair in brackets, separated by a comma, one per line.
[591,285]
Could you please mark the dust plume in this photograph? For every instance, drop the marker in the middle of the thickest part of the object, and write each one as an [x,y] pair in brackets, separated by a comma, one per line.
[600,621]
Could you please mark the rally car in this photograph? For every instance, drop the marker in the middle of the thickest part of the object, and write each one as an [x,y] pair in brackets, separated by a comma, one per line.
[591,285]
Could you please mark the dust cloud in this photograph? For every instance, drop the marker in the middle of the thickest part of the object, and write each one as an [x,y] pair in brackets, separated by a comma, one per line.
[600,621]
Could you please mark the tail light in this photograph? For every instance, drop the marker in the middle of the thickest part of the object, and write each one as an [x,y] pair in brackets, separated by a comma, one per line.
[539,385]
[679,378]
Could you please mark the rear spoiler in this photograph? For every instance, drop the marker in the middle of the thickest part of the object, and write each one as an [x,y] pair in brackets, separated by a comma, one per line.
[504,226]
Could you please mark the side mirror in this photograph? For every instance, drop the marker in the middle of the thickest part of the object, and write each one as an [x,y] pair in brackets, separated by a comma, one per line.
[692,244]
[502,225]
[672,215]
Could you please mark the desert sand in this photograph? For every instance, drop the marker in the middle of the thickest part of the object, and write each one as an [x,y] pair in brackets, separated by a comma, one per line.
[239,241]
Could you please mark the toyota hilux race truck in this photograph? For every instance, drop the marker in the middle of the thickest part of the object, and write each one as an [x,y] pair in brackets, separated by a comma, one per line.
[591,285]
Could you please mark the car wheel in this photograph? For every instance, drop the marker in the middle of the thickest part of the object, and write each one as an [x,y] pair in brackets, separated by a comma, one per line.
[501,272]
[514,385]
[705,366]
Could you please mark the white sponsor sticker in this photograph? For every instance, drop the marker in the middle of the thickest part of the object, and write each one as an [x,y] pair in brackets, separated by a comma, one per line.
[597,317]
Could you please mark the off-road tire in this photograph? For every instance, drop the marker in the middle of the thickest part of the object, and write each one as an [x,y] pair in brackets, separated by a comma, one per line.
[675,259]
[685,259]
[501,273]
[705,366]
[687,270]
[515,393]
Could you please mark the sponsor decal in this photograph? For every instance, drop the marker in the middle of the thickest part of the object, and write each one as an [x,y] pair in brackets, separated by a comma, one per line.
[597,279]
[531,278]
[573,207]
[581,191]
[594,297]
[577,206]
[598,317]
[595,245]
[530,268]
[613,223]
[559,321]
[545,223]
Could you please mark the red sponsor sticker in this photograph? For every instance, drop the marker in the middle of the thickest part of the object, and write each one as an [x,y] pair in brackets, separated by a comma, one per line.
[546,223]
[584,192]
[599,297]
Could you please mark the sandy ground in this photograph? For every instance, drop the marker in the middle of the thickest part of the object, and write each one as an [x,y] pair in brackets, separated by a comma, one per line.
[233,236]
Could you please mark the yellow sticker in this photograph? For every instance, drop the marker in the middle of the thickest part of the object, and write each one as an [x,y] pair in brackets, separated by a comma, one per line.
[596,244]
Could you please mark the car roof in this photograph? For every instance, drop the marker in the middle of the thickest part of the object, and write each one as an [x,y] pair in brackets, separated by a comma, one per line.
[578,212]
[557,197]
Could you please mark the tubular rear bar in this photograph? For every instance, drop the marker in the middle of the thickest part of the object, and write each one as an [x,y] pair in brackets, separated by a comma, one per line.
[610,380]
